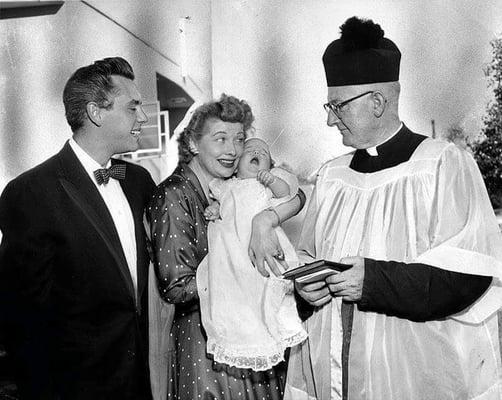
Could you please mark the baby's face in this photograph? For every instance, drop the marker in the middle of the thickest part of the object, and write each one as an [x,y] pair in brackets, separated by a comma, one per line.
[256,156]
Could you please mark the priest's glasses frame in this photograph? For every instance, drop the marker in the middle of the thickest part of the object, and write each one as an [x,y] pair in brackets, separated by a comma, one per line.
[335,108]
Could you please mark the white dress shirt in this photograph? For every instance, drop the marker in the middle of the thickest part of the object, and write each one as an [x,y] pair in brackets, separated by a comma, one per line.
[116,201]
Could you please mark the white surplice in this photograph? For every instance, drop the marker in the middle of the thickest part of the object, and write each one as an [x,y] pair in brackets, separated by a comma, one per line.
[431,209]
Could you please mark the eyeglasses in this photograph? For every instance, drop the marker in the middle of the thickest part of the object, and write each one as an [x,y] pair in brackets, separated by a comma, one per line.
[336,107]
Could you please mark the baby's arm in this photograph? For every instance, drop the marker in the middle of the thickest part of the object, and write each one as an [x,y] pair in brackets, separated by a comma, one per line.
[278,186]
[212,211]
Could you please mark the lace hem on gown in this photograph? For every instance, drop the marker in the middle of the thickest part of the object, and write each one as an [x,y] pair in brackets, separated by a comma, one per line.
[238,358]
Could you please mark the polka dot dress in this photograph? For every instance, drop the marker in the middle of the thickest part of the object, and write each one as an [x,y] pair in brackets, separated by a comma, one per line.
[179,240]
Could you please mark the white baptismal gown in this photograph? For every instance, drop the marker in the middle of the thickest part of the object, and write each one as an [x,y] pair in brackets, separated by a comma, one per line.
[249,319]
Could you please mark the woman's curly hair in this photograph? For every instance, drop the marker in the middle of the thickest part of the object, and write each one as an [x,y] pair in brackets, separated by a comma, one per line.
[227,109]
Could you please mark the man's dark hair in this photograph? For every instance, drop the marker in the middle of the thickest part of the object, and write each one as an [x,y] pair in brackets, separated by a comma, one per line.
[92,83]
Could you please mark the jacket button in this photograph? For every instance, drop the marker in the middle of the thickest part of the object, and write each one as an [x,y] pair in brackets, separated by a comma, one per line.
[131,354]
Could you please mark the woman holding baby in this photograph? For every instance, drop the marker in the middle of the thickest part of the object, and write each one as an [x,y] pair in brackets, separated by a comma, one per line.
[210,148]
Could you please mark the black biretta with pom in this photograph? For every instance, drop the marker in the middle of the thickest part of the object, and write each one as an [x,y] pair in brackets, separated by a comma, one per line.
[362,55]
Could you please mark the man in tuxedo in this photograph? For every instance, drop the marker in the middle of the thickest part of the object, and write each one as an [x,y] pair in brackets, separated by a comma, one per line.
[73,258]
[415,317]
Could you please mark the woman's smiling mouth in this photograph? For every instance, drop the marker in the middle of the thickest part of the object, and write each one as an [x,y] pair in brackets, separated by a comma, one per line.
[227,163]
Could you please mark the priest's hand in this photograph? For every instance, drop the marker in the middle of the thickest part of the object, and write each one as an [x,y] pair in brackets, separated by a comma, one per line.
[315,293]
[348,284]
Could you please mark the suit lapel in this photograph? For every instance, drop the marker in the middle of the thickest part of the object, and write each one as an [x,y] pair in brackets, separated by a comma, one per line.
[79,187]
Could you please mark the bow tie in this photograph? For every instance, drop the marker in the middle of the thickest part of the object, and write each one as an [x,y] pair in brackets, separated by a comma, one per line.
[116,171]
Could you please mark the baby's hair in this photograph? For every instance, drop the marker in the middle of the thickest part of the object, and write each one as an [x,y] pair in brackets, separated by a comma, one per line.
[272,162]
[255,138]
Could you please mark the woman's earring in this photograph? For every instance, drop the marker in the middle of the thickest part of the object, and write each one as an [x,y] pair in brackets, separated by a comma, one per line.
[193,149]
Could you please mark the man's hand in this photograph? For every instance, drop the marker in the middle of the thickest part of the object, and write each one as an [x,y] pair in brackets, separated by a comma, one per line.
[264,245]
[348,284]
[315,293]
[265,177]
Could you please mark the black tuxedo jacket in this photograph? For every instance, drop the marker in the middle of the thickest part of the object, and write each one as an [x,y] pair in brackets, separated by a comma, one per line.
[75,328]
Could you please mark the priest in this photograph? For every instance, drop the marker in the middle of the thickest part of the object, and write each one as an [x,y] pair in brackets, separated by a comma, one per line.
[415,317]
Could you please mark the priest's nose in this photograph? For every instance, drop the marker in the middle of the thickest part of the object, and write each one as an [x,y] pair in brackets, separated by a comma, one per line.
[332,119]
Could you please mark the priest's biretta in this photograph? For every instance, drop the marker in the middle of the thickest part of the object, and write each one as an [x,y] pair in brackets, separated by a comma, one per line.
[362,55]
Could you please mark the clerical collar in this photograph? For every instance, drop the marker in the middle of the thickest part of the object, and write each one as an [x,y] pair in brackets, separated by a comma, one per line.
[394,151]
[373,151]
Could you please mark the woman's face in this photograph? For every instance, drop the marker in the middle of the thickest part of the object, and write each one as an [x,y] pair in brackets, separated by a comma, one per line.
[220,147]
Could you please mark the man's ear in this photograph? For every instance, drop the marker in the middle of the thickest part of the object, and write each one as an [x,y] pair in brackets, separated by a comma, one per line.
[379,104]
[94,113]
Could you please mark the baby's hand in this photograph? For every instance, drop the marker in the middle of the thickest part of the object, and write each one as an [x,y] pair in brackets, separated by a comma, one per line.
[212,212]
[265,177]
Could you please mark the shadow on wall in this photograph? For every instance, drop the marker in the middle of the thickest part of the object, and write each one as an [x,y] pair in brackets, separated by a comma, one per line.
[172,98]
[274,81]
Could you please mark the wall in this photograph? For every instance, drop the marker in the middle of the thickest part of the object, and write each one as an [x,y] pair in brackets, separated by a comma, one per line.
[269,52]
[38,54]
[266,52]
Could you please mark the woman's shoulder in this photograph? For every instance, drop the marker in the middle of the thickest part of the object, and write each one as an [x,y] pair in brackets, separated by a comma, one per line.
[177,178]
[172,184]
[183,179]
[174,188]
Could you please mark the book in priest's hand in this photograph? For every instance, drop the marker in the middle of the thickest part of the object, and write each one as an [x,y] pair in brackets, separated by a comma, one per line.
[315,271]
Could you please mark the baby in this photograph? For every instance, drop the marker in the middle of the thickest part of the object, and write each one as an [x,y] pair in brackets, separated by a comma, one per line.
[249,319]
[255,163]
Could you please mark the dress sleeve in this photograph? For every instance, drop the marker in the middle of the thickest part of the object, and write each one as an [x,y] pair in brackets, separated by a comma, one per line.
[290,179]
[176,251]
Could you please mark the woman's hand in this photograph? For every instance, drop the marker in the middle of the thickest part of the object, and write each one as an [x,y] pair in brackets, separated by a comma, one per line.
[264,245]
